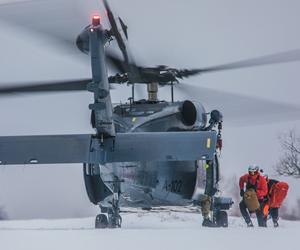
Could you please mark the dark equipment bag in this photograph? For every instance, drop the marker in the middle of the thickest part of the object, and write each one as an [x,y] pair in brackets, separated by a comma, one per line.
[251,201]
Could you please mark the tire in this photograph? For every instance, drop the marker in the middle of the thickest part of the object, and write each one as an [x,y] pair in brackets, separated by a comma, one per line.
[119,221]
[101,221]
[222,219]
[115,222]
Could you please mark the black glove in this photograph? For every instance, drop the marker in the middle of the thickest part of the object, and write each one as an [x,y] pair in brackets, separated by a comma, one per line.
[242,193]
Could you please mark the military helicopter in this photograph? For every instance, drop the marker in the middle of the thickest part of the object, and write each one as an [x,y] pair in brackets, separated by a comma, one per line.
[144,153]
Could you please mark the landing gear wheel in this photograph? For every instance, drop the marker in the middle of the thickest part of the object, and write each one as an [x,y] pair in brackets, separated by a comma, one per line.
[101,221]
[119,221]
[114,221]
[110,216]
[222,219]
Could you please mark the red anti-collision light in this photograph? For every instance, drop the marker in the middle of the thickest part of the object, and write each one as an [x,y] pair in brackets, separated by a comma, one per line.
[96,20]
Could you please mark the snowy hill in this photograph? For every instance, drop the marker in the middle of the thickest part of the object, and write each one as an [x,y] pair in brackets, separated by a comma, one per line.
[145,230]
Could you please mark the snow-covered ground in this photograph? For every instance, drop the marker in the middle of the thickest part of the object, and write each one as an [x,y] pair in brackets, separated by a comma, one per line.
[146,230]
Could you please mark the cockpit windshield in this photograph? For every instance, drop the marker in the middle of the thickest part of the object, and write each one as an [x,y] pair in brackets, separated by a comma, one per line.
[138,110]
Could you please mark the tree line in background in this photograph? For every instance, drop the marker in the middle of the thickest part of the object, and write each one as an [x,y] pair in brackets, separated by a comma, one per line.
[289,162]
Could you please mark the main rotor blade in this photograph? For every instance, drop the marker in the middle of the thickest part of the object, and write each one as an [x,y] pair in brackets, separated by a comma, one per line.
[115,31]
[57,86]
[282,57]
[124,27]
[119,65]
[116,63]
[58,20]
[241,110]
[128,65]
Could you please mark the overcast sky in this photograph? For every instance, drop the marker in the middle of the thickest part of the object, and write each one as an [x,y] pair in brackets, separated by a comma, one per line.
[194,33]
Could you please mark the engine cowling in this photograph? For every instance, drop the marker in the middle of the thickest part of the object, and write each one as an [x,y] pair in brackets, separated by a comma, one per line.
[193,114]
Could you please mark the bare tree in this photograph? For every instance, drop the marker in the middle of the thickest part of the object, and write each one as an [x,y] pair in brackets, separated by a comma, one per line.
[289,162]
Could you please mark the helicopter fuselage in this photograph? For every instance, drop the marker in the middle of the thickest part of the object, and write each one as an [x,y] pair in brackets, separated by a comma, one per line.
[148,180]
[155,183]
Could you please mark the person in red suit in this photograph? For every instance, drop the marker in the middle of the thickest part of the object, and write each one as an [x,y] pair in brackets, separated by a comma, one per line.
[277,192]
[253,180]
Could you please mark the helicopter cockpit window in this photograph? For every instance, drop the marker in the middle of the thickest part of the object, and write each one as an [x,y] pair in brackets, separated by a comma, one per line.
[128,111]
[138,112]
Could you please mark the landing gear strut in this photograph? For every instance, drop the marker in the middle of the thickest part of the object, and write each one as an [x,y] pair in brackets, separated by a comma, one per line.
[113,218]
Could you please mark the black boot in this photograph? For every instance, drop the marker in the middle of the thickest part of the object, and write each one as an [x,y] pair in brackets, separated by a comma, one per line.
[208,223]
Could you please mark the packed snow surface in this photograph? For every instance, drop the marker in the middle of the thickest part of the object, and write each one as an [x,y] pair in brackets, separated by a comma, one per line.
[146,230]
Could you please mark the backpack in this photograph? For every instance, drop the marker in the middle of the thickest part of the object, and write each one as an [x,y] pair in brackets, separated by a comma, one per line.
[277,194]
[251,201]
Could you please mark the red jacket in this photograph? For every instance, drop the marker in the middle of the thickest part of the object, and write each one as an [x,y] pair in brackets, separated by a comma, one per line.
[261,188]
